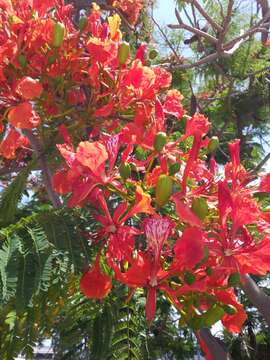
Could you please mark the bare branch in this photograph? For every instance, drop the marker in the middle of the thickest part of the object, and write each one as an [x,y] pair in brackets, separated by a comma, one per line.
[205,60]
[260,165]
[191,29]
[46,173]
[214,345]
[258,297]
[166,39]
[212,22]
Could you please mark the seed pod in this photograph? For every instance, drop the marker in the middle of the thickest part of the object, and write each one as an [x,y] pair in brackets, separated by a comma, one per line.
[153,54]
[230,309]
[82,23]
[123,52]
[164,189]
[234,279]
[200,207]
[189,278]
[160,141]
[174,168]
[125,170]
[214,314]
[213,144]
[58,34]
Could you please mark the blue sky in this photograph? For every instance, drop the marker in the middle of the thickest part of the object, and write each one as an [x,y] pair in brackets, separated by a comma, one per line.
[164,12]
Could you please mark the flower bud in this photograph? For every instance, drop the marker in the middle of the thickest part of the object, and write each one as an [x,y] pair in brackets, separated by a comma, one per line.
[123,53]
[82,23]
[200,207]
[58,34]
[160,141]
[213,144]
[153,54]
[164,189]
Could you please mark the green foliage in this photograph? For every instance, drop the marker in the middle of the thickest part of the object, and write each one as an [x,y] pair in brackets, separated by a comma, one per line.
[11,196]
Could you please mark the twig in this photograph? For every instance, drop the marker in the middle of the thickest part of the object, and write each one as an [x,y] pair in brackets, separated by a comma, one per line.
[259,166]
[166,39]
[46,173]
[205,15]
[182,25]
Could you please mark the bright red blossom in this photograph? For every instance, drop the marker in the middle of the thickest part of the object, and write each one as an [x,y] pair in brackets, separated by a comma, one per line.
[23,116]
[95,284]
[29,88]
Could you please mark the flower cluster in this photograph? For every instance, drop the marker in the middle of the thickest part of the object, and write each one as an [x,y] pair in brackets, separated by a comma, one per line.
[169,221]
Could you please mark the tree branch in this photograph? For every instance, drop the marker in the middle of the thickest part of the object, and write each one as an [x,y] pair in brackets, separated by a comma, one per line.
[46,173]
[214,345]
[260,165]
[222,50]
[257,297]
[205,15]
[166,39]
[182,25]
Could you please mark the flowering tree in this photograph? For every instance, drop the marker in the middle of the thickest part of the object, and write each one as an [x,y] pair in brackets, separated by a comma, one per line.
[80,103]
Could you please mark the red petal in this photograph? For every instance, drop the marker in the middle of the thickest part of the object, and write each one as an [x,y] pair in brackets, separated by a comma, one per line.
[185,213]
[23,116]
[29,88]
[150,309]
[189,249]
[94,284]
[92,155]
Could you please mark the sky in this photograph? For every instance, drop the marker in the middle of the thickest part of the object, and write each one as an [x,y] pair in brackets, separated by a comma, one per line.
[164,12]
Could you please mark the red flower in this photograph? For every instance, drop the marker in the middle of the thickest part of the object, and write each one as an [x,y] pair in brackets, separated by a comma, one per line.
[233,323]
[173,104]
[23,116]
[185,213]
[76,96]
[197,125]
[29,88]
[265,183]
[145,269]
[11,143]
[189,249]
[95,284]
[92,155]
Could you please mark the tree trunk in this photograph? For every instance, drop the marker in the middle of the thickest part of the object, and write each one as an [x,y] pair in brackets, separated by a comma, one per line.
[257,297]
[215,346]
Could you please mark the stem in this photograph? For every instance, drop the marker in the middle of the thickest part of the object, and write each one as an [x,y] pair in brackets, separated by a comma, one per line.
[257,297]
[46,173]
[215,346]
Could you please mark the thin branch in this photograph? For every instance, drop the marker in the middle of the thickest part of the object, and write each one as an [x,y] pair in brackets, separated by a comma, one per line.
[211,21]
[166,39]
[182,25]
[205,60]
[227,22]
[259,166]
[46,173]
